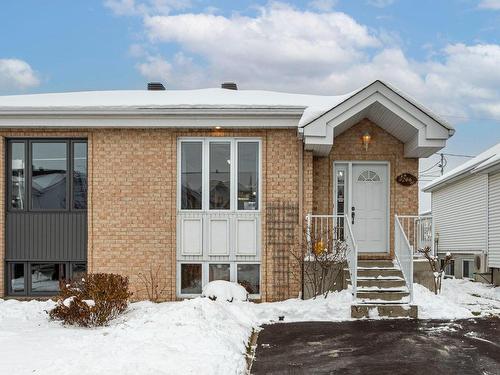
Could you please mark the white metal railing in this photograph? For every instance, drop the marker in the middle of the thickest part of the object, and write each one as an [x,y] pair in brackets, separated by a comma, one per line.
[418,231]
[352,256]
[404,254]
[327,231]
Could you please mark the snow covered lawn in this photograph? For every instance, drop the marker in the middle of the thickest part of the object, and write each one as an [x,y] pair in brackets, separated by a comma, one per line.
[198,336]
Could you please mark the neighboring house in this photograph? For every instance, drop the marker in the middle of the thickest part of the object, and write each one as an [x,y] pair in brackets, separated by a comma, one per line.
[199,185]
[466,212]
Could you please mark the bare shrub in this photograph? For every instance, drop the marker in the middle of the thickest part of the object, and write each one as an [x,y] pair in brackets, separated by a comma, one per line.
[321,261]
[153,284]
[436,267]
[92,301]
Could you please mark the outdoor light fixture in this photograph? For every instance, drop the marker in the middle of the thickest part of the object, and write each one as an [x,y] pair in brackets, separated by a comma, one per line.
[217,128]
[367,138]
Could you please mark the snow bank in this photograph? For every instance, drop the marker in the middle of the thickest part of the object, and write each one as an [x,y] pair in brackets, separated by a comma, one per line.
[221,290]
[431,306]
[459,299]
[197,336]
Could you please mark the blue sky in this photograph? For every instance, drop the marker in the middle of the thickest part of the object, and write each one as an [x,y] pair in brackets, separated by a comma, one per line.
[444,53]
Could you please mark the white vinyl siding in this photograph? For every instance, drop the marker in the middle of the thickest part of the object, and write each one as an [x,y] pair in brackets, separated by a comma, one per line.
[494,221]
[460,213]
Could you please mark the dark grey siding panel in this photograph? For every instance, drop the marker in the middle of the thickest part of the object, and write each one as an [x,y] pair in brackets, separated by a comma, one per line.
[49,236]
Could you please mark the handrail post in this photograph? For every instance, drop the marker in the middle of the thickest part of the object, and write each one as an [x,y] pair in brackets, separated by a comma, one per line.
[308,233]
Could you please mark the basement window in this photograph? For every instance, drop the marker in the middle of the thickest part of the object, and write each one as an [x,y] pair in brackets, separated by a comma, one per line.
[41,278]
[191,282]
[17,278]
[46,277]
[467,269]
[249,277]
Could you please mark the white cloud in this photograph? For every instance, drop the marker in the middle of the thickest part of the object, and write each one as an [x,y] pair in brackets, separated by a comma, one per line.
[280,42]
[284,48]
[155,68]
[489,4]
[323,5]
[380,3]
[16,74]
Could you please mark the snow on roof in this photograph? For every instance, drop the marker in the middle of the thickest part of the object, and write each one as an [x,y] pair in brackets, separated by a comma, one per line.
[202,98]
[311,106]
[484,160]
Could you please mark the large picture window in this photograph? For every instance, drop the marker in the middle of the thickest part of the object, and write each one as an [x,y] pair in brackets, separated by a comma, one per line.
[248,175]
[219,217]
[39,173]
[49,171]
[191,175]
[219,174]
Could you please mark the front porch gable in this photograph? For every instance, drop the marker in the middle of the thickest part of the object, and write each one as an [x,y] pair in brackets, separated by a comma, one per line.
[422,132]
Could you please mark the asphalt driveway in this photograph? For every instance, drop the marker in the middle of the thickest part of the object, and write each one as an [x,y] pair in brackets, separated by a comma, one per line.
[380,347]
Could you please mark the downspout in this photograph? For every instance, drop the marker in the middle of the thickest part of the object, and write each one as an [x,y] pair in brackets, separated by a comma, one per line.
[301,207]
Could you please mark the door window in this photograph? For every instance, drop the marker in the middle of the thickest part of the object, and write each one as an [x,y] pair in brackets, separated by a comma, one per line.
[370,176]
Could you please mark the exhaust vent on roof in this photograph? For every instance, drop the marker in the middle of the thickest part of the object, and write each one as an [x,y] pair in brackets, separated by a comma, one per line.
[155,86]
[229,86]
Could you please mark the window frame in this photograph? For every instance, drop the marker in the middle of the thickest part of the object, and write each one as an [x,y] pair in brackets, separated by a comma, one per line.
[8,179]
[205,204]
[28,292]
[255,295]
[66,266]
[233,275]
[471,269]
[28,154]
[10,268]
[179,278]
[448,268]
[72,143]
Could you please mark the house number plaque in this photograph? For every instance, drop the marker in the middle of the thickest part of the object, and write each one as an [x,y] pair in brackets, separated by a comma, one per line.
[406,179]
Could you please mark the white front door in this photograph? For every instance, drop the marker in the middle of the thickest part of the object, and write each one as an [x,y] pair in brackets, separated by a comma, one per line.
[369,207]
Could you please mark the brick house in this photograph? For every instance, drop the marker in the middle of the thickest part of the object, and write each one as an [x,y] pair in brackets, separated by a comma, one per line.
[190,184]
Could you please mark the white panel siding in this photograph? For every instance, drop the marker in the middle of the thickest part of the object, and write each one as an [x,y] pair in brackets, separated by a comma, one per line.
[460,213]
[494,221]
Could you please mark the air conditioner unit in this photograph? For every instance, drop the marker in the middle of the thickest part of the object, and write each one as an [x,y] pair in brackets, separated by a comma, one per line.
[481,263]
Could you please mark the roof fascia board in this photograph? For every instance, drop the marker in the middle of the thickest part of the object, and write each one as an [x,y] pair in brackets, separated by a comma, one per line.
[153,111]
[489,168]
[167,121]
[426,114]
[436,186]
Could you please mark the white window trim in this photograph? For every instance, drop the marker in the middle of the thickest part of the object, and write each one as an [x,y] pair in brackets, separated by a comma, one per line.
[233,276]
[233,213]
[205,205]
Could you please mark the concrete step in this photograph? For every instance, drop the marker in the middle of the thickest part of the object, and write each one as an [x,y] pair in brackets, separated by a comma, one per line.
[382,295]
[375,263]
[388,310]
[384,272]
[381,283]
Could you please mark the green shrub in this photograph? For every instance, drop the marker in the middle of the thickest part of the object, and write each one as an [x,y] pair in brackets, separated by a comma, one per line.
[92,301]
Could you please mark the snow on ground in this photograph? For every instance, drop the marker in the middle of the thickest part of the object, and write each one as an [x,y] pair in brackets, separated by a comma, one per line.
[197,336]
[459,299]
[221,290]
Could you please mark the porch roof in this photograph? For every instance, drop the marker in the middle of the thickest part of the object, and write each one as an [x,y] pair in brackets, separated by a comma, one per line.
[422,132]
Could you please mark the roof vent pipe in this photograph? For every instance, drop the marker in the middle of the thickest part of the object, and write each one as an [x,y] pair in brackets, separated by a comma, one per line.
[155,86]
[229,86]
